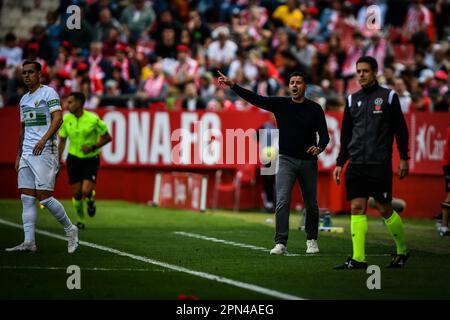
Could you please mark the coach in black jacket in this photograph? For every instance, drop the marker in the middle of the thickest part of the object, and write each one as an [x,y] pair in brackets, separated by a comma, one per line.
[372,117]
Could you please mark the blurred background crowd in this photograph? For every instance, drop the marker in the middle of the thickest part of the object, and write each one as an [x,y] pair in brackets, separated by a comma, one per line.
[165,54]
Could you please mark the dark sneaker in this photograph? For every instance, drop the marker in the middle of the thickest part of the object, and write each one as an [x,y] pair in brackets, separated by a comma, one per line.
[398,261]
[91,208]
[351,264]
[80,226]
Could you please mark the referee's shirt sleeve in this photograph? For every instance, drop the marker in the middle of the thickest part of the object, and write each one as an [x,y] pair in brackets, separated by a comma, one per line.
[62,130]
[102,128]
[400,128]
[346,136]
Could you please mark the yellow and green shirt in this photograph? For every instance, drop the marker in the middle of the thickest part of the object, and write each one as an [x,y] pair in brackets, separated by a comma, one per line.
[83,131]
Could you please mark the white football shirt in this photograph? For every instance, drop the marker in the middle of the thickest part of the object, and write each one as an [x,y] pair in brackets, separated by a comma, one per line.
[35,110]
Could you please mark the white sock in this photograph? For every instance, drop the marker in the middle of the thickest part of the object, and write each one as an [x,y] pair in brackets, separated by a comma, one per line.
[29,216]
[57,210]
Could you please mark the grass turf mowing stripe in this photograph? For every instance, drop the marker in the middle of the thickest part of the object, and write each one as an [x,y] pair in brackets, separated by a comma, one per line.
[84,268]
[204,275]
[249,246]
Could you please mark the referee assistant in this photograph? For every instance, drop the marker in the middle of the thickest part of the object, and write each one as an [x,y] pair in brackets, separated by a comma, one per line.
[87,134]
[299,121]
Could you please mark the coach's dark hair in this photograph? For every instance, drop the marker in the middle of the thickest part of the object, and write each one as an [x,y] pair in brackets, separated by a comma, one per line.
[370,60]
[298,74]
[36,64]
[78,96]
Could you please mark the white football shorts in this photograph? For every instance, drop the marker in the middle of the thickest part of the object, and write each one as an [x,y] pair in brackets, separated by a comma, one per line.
[38,172]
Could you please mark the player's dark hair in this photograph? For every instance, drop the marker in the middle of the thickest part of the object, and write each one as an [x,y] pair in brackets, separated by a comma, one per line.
[36,64]
[78,96]
[369,60]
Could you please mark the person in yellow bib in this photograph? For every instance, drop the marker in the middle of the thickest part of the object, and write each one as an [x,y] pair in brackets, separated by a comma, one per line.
[87,134]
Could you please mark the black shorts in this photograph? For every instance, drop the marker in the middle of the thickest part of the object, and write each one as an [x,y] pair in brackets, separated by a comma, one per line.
[80,169]
[369,180]
[447,177]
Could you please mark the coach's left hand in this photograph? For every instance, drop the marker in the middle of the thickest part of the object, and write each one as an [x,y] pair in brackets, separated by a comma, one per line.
[37,150]
[403,168]
[314,150]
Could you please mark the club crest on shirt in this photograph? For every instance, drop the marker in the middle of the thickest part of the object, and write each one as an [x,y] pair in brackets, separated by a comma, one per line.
[377,108]
[378,101]
[359,103]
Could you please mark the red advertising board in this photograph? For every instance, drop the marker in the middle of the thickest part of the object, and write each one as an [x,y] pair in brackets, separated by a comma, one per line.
[145,142]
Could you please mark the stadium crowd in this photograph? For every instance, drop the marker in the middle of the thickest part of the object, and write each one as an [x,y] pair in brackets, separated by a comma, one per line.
[165,54]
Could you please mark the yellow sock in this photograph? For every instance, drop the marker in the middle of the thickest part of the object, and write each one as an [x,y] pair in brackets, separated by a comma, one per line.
[358,230]
[79,209]
[395,227]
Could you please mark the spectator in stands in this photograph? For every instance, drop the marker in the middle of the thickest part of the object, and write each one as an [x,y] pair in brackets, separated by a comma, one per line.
[207,88]
[310,27]
[137,19]
[334,58]
[441,102]
[53,31]
[65,61]
[166,48]
[222,51]
[289,15]
[123,86]
[185,68]
[99,67]
[164,20]
[155,88]
[200,32]
[191,100]
[418,27]
[304,52]
[92,100]
[128,75]
[109,45]
[403,95]
[105,23]
[242,62]
[352,55]
[329,20]
[265,85]
[379,48]
[255,20]
[94,10]
[220,102]
[11,51]
[280,43]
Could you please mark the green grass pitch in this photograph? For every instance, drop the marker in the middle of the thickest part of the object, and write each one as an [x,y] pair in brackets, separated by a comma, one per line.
[224,258]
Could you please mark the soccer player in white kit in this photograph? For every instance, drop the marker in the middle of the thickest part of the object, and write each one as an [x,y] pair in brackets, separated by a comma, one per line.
[37,159]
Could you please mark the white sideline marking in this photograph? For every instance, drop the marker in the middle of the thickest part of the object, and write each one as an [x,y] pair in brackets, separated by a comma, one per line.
[204,275]
[82,268]
[232,243]
[249,246]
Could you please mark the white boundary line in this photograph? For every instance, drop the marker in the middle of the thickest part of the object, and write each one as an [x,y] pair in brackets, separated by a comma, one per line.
[204,275]
[252,247]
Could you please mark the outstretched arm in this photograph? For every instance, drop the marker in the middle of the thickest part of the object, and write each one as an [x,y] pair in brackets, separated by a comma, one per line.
[255,99]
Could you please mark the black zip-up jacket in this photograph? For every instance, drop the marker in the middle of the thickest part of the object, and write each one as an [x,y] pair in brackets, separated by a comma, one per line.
[298,123]
[372,117]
